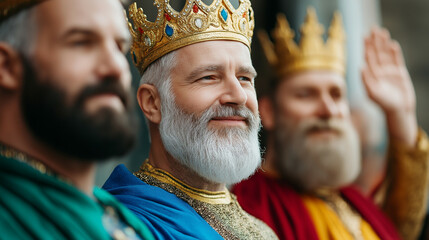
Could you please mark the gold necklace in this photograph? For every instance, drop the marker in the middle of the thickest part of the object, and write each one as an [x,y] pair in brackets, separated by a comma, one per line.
[219,197]
[10,152]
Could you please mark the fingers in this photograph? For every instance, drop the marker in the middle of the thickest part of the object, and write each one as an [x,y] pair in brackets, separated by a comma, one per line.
[396,51]
[373,64]
[381,41]
[379,45]
[386,51]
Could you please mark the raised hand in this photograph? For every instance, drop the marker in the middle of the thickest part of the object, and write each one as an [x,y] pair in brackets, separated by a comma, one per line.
[388,84]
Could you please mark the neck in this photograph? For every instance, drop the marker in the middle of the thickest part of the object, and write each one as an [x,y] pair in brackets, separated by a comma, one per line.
[160,158]
[15,133]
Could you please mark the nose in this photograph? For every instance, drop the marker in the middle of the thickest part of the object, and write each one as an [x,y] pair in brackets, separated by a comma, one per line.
[234,94]
[112,63]
[328,108]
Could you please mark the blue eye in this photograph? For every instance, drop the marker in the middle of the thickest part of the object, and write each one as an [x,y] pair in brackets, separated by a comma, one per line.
[211,77]
[246,79]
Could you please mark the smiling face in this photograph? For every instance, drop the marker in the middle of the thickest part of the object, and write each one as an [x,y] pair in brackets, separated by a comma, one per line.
[76,92]
[215,73]
[210,119]
[313,131]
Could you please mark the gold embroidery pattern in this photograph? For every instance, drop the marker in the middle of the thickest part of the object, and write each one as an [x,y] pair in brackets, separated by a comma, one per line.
[228,219]
[407,182]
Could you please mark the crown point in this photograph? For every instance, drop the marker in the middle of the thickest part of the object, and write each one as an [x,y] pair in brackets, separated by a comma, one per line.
[312,53]
[311,13]
[195,8]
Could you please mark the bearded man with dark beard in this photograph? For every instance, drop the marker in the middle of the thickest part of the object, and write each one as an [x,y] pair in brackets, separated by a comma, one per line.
[304,188]
[197,93]
[65,89]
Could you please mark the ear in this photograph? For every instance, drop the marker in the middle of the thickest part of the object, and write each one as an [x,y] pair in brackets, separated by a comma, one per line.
[10,68]
[266,110]
[150,102]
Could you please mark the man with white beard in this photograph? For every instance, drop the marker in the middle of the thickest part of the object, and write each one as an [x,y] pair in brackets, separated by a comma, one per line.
[197,93]
[303,189]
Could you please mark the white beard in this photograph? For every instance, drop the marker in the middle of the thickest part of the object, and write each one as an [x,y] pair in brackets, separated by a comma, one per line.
[226,155]
[311,164]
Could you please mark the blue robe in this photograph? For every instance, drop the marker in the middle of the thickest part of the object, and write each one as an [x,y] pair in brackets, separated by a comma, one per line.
[34,205]
[166,215]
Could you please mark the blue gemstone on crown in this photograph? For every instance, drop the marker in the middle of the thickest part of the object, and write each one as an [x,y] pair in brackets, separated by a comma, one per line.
[224,14]
[169,30]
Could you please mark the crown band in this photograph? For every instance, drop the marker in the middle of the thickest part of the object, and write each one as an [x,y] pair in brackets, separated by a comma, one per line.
[188,40]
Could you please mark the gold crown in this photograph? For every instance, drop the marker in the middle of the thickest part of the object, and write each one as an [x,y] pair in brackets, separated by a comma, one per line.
[10,7]
[312,53]
[196,22]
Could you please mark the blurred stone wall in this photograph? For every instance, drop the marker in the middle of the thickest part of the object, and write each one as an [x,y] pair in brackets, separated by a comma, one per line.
[408,22]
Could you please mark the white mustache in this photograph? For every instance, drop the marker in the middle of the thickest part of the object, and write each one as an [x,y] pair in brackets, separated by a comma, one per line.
[317,124]
[228,111]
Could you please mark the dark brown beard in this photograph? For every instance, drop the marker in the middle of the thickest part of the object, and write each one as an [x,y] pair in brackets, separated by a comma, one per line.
[67,127]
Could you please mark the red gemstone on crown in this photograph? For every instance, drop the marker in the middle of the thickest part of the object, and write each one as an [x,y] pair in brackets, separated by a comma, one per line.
[167,17]
[244,15]
[195,8]
[140,30]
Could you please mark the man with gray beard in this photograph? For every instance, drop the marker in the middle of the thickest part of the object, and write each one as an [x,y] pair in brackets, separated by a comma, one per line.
[331,162]
[303,189]
[197,93]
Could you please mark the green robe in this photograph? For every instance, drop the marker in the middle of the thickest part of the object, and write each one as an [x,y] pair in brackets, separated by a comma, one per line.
[34,205]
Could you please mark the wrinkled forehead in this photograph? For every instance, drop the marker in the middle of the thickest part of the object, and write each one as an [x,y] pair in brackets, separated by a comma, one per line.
[101,15]
[214,55]
[314,78]
[216,49]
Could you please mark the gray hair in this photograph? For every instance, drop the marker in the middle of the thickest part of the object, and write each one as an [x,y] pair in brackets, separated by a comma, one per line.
[19,31]
[159,72]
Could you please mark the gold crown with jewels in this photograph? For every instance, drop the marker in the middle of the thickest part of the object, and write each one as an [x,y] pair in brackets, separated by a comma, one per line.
[196,22]
[312,53]
[10,7]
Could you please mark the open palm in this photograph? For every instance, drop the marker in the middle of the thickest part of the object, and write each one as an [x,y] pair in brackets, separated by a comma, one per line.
[386,77]
[388,84]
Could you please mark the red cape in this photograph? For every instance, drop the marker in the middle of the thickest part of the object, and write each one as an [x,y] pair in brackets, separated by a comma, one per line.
[281,207]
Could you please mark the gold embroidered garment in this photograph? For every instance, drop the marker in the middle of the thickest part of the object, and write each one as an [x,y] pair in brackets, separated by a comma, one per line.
[220,209]
[407,185]
[335,219]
